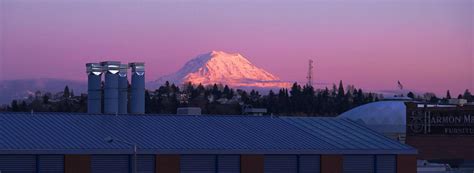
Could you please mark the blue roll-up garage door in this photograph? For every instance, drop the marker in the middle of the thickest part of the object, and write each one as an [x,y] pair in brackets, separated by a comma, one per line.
[228,163]
[110,163]
[146,164]
[50,163]
[198,163]
[281,164]
[358,164]
[18,163]
[309,164]
[386,163]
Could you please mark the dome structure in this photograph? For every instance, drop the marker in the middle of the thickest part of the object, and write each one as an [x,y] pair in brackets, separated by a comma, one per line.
[383,116]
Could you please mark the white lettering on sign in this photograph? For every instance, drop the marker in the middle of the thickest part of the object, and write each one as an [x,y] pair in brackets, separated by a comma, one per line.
[451,119]
[458,130]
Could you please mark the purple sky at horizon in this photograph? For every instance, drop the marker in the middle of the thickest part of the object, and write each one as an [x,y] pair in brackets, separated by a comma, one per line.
[426,44]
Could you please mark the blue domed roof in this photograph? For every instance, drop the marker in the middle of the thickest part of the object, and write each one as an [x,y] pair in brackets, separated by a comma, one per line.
[382,116]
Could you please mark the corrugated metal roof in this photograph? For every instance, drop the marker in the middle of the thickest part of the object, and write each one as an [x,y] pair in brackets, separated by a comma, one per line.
[71,133]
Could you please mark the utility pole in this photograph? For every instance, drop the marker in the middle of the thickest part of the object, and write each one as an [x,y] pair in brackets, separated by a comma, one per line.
[109,139]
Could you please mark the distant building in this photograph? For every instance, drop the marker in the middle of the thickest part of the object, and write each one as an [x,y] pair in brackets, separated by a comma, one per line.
[441,133]
[249,110]
[255,111]
[188,111]
[387,117]
[457,101]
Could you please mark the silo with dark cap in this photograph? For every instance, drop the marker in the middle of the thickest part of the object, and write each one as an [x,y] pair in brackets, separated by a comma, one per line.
[94,90]
[137,98]
[123,89]
[111,86]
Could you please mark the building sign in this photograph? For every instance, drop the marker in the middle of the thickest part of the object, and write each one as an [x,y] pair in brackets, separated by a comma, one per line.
[439,121]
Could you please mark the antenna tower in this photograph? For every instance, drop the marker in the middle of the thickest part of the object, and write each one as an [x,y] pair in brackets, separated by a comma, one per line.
[310,73]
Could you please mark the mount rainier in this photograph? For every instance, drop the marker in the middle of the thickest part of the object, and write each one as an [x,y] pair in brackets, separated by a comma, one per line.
[218,67]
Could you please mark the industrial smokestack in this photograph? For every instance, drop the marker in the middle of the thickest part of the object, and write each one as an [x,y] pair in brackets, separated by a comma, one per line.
[94,91]
[111,92]
[123,89]
[137,99]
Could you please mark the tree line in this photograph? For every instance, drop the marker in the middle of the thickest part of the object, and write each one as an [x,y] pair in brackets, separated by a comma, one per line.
[217,99]
[298,100]
[64,101]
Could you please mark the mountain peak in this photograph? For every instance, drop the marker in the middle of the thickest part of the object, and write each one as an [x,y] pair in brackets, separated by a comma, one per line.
[219,53]
[223,68]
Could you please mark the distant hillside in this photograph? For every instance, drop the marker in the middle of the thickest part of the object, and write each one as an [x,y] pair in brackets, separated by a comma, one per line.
[20,89]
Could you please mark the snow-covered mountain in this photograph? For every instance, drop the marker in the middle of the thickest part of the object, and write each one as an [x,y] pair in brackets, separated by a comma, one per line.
[222,68]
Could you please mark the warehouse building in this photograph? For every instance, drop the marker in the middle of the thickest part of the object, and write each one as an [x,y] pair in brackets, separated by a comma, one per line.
[73,142]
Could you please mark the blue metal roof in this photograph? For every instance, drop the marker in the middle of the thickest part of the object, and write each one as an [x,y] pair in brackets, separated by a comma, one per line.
[75,133]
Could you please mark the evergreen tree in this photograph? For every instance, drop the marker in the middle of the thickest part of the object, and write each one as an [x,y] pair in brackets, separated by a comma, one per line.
[468,96]
[14,106]
[347,102]
[448,95]
[216,93]
[227,92]
[255,98]
[23,107]
[66,93]
[411,95]
[148,103]
[244,97]
[283,101]
[340,100]
[340,90]
[271,102]
[334,91]
[308,100]
[359,97]
[45,99]
[295,89]
[326,101]
[231,94]
[200,90]
[370,98]
[174,89]
[295,98]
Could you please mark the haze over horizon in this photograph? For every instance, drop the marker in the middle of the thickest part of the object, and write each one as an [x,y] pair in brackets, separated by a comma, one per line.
[427,45]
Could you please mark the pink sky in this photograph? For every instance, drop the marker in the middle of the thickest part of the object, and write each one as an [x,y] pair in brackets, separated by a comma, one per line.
[426,44]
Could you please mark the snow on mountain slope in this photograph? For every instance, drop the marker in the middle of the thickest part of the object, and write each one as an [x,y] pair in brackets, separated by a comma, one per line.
[222,68]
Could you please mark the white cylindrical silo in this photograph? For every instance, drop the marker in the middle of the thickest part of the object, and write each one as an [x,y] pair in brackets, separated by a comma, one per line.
[137,98]
[123,89]
[111,83]
[94,89]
